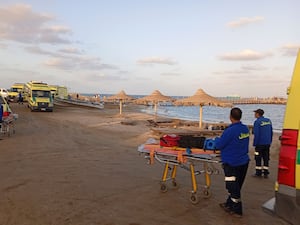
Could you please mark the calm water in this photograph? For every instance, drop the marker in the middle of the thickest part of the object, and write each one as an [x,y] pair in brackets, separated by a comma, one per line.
[218,114]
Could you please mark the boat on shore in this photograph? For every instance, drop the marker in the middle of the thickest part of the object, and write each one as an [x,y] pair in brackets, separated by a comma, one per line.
[78,102]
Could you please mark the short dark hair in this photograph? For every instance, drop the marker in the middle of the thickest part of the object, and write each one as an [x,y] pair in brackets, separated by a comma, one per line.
[236,113]
[259,111]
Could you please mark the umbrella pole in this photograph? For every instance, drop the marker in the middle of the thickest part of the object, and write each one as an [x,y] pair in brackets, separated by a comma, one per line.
[121,106]
[200,117]
[155,110]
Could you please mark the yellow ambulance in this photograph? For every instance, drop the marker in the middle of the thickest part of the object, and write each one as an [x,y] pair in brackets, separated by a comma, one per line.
[286,203]
[38,95]
[14,91]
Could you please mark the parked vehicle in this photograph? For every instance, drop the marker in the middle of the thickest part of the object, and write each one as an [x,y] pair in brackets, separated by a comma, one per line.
[286,203]
[59,91]
[14,91]
[3,92]
[53,89]
[62,92]
[38,95]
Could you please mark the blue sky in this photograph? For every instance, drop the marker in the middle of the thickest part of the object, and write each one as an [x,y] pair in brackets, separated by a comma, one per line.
[225,47]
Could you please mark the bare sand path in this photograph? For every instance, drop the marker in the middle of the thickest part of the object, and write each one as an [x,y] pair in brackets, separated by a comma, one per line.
[80,166]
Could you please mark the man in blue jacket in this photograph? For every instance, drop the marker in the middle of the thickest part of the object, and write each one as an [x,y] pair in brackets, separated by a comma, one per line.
[263,134]
[234,147]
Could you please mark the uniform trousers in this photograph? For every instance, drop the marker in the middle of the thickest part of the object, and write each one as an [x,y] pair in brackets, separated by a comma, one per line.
[234,179]
[262,155]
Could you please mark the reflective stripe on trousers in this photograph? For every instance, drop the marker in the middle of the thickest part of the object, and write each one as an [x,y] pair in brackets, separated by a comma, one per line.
[232,178]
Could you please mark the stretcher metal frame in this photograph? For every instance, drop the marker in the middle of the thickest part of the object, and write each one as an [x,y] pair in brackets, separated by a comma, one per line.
[7,125]
[174,157]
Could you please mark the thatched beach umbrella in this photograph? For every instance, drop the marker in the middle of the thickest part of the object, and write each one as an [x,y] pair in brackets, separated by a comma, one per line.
[154,98]
[201,99]
[121,96]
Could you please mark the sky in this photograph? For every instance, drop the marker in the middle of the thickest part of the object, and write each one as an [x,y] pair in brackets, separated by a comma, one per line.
[225,47]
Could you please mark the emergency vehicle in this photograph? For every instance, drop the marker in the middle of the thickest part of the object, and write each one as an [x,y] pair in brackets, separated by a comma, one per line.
[38,95]
[53,89]
[14,91]
[286,203]
[62,92]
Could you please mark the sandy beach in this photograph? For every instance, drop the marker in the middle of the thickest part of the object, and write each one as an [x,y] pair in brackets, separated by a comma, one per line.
[80,166]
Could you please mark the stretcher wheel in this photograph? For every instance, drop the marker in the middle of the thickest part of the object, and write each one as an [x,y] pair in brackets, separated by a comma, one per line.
[175,184]
[163,188]
[217,171]
[206,193]
[209,170]
[194,198]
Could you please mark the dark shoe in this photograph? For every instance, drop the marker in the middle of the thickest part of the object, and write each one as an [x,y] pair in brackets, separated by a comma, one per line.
[256,175]
[225,207]
[236,215]
[266,176]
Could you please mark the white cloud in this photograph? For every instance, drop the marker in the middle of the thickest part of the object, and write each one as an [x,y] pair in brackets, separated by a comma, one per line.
[40,51]
[245,21]
[71,50]
[58,29]
[60,53]
[171,74]
[156,60]
[246,54]
[253,67]
[78,63]
[21,24]
[3,46]
[60,63]
[64,60]
[102,77]
[231,72]
[290,49]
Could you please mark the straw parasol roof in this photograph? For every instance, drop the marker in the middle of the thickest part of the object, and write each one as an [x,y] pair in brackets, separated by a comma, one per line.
[201,98]
[121,96]
[155,97]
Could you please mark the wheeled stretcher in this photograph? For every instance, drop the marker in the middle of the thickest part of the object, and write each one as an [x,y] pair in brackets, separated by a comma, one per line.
[7,125]
[188,159]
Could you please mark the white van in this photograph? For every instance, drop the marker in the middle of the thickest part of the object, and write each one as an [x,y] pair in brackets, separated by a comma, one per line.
[3,92]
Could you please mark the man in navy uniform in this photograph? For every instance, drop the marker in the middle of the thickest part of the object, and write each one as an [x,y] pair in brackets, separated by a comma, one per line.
[234,147]
[263,134]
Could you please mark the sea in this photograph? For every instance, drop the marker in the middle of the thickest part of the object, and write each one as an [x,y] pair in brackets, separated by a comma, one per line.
[213,114]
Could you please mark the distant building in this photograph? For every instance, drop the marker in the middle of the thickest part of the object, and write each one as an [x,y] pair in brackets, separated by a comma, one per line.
[230,98]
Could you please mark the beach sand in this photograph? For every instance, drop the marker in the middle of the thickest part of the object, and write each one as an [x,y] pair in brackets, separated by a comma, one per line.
[81,166]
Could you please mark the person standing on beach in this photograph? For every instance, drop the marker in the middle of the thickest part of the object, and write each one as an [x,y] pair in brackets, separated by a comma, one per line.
[234,147]
[20,99]
[263,134]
